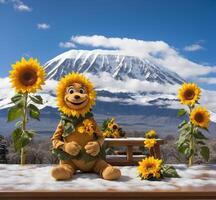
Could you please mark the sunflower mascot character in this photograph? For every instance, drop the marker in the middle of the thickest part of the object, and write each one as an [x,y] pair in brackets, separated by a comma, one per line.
[77,140]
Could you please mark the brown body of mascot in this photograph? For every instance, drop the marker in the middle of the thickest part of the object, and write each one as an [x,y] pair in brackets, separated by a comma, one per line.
[77,140]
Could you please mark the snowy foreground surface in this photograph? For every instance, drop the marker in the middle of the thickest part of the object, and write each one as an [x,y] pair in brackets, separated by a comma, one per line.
[37,178]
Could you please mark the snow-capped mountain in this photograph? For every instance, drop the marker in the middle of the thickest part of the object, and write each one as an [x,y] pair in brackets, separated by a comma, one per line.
[134,90]
[119,66]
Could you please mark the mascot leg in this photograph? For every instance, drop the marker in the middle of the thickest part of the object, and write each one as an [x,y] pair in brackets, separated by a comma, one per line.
[106,171]
[64,171]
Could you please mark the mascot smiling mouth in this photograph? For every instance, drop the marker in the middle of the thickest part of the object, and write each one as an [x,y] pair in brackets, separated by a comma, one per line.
[75,103]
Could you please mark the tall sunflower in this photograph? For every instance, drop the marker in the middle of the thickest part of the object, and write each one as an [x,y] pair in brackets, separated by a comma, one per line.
[200,117]
[27,76]
[61,90]
[189,94]
[150,168]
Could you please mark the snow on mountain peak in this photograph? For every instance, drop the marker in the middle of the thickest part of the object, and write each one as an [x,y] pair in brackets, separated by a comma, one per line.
[120,66]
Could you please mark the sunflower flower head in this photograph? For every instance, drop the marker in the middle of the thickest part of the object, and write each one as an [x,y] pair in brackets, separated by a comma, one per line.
[27,76]
[149,143]
[112,124]
[150,167]
[151,134]
[200,117]
[87,127]
[189,94]
[64,83]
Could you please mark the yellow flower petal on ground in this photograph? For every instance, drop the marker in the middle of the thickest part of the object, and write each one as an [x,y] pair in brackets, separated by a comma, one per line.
[200,117]
[151,134]
[149,167]
[149,143]
[61,89]
[189,94]
[27,75]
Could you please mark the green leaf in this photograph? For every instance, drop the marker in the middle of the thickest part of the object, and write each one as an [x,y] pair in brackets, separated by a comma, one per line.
[183,148]
[199,135]
[22,142]
[204,151]
[105,124]
[29,133]
[181,112]
[16,134]
[68,128]
[19,139]
[183,124]
[34,112]
[62,155]
[19,124]
[18,99]
[37,99]
[169,172]
[14,113]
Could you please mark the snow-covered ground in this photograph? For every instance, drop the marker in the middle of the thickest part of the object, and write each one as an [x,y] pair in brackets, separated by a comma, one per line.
[37,178]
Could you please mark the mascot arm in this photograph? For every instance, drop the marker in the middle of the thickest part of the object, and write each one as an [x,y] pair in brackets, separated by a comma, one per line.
[57,137]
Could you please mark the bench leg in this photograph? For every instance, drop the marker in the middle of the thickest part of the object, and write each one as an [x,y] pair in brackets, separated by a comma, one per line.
[155,151]
[130,154]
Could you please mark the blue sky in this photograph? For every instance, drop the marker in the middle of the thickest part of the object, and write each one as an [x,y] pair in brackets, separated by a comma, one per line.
[36,28]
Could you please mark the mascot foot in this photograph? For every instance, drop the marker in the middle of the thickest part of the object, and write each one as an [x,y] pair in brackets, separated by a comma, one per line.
[111,173]
[62,172]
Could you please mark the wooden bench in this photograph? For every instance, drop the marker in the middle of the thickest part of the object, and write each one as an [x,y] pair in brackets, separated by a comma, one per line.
[129,158]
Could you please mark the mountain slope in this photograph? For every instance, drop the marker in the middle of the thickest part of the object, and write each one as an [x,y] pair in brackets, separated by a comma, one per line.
[119,66]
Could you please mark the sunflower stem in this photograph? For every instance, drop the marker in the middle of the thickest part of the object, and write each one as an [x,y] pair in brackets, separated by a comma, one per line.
[191,144]
[23,152]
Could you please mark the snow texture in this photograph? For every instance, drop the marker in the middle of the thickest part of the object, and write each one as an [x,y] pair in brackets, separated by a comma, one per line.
[37,178]
[119,66]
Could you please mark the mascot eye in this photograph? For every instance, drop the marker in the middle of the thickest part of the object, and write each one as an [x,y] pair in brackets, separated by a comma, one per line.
[82,90]
[71,90]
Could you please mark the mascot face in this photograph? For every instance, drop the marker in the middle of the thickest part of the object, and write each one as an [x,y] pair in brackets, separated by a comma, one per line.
[75,95]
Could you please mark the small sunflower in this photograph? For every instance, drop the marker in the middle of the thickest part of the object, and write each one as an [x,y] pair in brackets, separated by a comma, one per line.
[87,127]
[61,89]
[149,143]
[200,117]
[113,126]
[151,134]
[150,168]
[27,76]
[189,94]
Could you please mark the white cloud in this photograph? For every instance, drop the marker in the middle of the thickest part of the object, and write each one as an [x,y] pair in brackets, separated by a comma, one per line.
[67,45]
[208,80]
[20,6]
[193,47]
[43,26]
[158,52]
[133,85]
